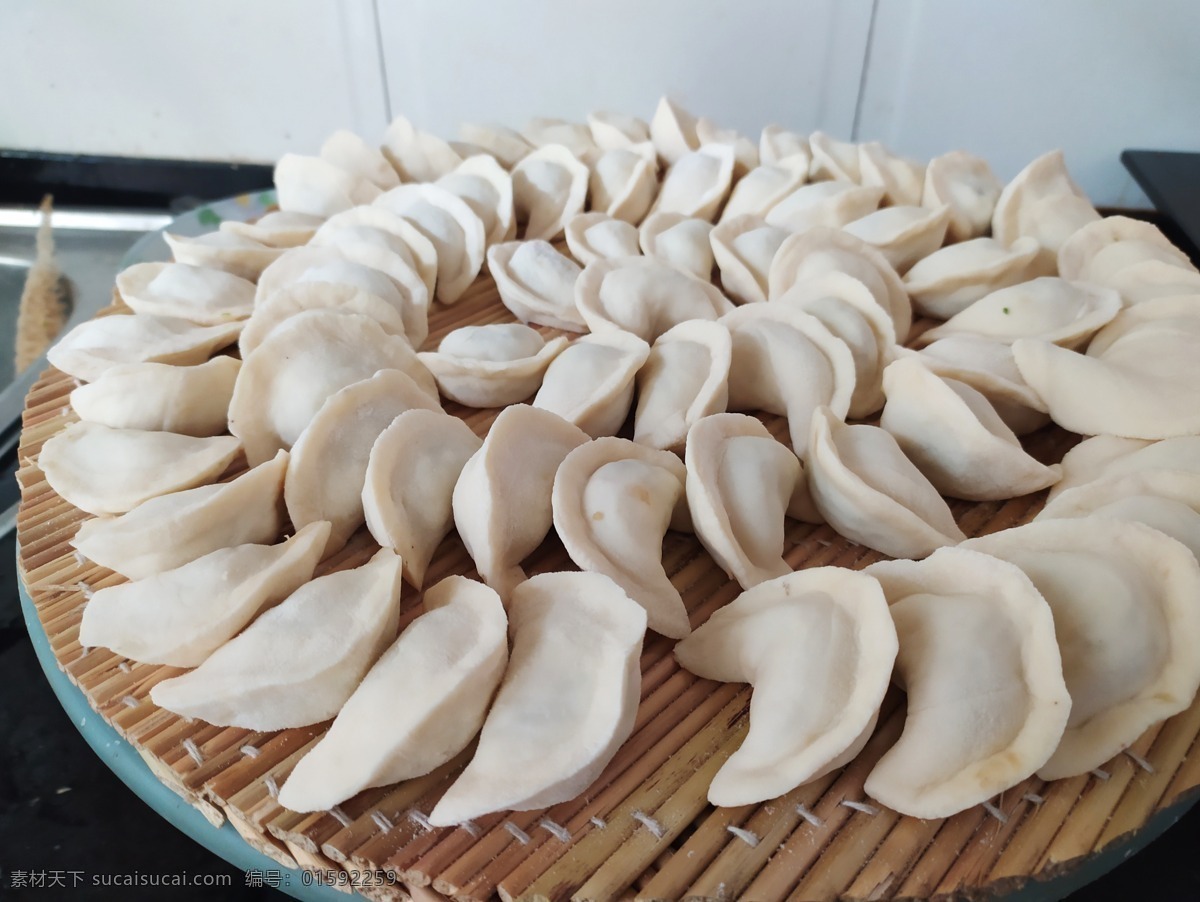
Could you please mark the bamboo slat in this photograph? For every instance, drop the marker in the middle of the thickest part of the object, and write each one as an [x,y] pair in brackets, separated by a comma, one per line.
[644,829]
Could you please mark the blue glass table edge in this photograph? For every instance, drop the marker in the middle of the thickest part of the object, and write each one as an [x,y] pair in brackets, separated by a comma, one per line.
[124,761]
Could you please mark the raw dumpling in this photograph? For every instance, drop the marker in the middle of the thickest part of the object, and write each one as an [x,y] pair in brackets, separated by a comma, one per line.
[319,188]
[821,250]
[745,152]
[989,368]
[165,532]
[276,229]
[1111,261]
[416,155]
[348,151]
[673,131]
[987,704]
[103,470]
[777,145]
[512,472]
[576,648]
[1123,597]
[1080,256]
[966,184]
[643,296]
[225,251]
[1106,457]
[872,494]
[1120,500]
[1044,203]
[303,361]
[299,662]
[435,682]
[188,400]
[549,189]
[451,225]
[411,472]
[833,159]
[325,266]
[1144,385]
[576,137]
[537,283]
[199,295]
[823,627]
[903,234]
[1161,312]
[1046,308]
[849,311]
[611,131]
[378,264]
[1156,484]
[598,236]
[385,251]
[829,203]
[678,241]
[487,189]
[788,363]
[179,617]
[492,365]
[506,144]
[697,183]
[417,250]
[951,279]
[757,192]
[685,378]
[902,180]
[328,463]
[590,382]
[743,248]
[613,501]
[92,348]
[955,437]
[740,485]
[1181,485]
[1152,279]
[331,297]
[624,183]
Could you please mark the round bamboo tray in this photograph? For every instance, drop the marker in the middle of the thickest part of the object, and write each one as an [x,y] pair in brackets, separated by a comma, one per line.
[644,829]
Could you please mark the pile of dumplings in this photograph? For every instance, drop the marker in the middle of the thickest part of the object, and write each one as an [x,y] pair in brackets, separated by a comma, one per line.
[668,281]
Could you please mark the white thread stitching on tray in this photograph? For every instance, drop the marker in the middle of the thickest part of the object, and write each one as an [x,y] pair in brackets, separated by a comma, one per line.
[193,750]
[419,818]
[651,824]
[860,806]
[995,812]
[558,831]
[520,835]
[749,837]
[809,816]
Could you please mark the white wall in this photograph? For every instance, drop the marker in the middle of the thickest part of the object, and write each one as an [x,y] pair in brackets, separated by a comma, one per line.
[1010,80]
[744,64]
[221,79]
[249,79]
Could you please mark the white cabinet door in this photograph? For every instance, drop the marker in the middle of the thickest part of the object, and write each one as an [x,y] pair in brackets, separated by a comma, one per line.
[743,64]
[223,79]
[1010,80]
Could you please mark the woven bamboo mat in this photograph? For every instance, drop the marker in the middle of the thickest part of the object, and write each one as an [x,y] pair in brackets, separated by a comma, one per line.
[644,828]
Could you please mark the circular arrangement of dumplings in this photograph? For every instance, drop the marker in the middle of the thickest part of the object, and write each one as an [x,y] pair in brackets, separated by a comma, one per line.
[673,283]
